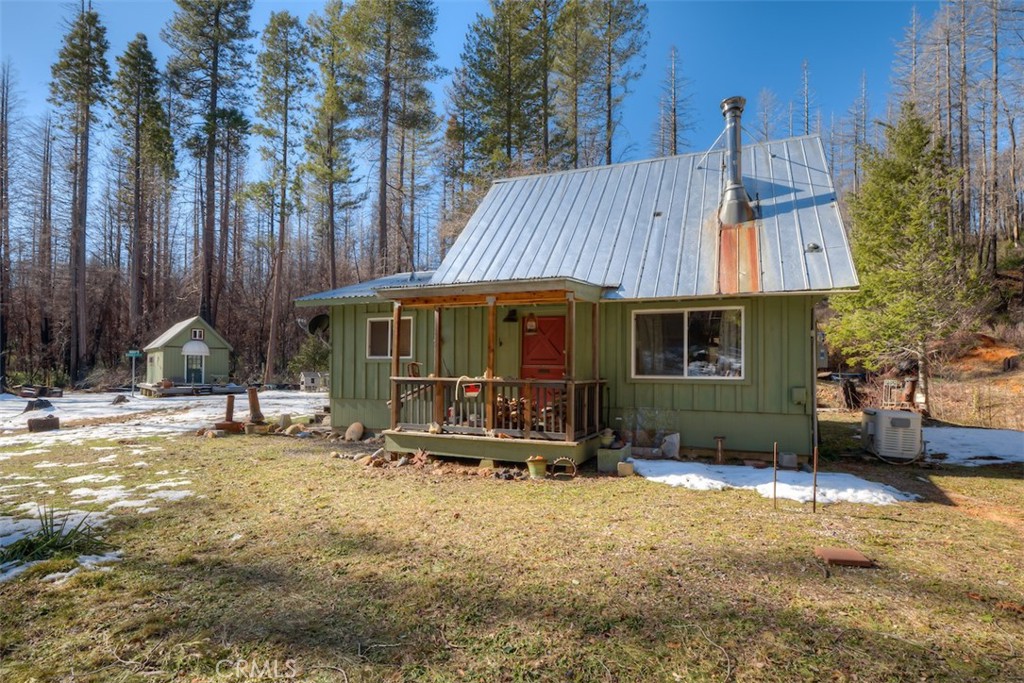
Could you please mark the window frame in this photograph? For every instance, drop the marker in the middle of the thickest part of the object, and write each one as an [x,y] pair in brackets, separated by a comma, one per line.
[686,345]
[198,334]
[389,321]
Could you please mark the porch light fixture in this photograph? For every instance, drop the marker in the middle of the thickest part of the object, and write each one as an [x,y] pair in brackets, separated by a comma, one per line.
[511,316]
[530,324]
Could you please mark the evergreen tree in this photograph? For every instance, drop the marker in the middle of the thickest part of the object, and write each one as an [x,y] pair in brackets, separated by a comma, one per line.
[911,294]
[674,110]
[578,88]
[80,79]
[328,156]
[390,42]
[504,77]
[621,31]
[210,43]
[145,134]
[284,79]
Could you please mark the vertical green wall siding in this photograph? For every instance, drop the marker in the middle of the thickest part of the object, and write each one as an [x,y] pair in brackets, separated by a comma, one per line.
[751,413]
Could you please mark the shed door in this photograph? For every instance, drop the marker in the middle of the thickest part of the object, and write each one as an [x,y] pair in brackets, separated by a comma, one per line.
[194,366]
[544,351]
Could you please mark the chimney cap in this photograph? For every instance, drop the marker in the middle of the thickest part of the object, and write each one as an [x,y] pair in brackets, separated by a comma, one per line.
[733,103]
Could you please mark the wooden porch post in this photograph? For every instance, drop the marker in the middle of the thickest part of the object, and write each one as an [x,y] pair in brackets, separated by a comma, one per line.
[396,325]
[492,333]
[439,385]
[570,366]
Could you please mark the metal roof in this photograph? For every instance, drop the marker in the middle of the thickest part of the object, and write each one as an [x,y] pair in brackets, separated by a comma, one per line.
[365,290]
[649,229]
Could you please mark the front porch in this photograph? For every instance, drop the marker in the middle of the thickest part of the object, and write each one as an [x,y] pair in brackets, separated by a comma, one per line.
[551,407]
[496,418]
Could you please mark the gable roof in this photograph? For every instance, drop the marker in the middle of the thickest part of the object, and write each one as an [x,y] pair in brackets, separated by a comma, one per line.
[649,229]
[177,328]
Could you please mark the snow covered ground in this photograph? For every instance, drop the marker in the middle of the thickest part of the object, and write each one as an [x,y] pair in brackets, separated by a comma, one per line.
[832,487]
[97,481]
[165,417]
[974,447]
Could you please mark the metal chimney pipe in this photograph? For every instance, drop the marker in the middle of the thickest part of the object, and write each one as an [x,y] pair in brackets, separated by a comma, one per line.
[735,206]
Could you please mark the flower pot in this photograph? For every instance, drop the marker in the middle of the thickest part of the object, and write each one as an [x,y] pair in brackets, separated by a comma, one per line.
[538,466]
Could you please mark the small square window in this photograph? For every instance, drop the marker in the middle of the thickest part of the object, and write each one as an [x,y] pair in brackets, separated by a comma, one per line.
[378,338]
[198,333]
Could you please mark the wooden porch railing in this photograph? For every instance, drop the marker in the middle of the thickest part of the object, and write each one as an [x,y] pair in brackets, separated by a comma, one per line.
[552,410]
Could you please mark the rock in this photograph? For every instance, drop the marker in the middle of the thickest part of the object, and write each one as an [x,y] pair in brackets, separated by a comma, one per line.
[119,399]
[625,469]
[335,454]
[403,461]
[215,433]
[37,404]
[354,432]
[284,421]
[670,446]
[293,430]
[365,460]
[44,424]
[250,428]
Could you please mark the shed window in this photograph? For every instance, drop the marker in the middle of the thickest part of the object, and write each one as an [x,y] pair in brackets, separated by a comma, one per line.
[198,333]
[696,344]
[378,338]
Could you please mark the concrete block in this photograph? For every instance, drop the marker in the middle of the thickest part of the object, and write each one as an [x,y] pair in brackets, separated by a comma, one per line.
[625,469]
[608,459]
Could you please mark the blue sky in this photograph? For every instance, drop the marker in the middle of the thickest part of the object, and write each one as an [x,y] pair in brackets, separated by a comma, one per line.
[727,48]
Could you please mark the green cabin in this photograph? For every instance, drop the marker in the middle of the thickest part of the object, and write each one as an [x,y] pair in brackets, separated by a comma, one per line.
[652,297]
[190,352]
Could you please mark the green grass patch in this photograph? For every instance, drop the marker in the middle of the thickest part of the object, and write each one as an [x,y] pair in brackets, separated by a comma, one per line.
[358,574]
[57,537]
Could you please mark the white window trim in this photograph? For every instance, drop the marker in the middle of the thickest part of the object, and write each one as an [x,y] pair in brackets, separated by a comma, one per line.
[391,337]
[686,344]
[200,336]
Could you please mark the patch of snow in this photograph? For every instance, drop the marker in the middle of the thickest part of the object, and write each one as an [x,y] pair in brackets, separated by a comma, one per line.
[108,458]
[97,478]
[103,448]
[164,484]
[170,416]
[7,455]
[128,504]
[147,510]
[139,464]
[164,472]
[170,495]
[11,569]
[104,495]
[833,487]
[973,447]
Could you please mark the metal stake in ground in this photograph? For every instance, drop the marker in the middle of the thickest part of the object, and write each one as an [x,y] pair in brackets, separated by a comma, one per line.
[775,475]
[814,485]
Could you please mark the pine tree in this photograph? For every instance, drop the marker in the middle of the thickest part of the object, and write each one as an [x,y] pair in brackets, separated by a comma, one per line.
[578,87]
[910,293]
[6,108]
[328,155]
[390,41]
[145,135]
[209,66]
[80,79]
[504,77]
[621,31]
[284,80]
[674,110]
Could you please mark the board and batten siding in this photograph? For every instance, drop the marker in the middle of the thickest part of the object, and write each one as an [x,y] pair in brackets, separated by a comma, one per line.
[751,413]
[360,387]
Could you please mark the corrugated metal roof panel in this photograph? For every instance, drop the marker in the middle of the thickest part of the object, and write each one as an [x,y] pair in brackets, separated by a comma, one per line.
[649,229]
[368,289]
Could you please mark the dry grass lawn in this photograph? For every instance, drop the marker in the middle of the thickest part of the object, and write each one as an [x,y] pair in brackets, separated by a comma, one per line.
[289,562]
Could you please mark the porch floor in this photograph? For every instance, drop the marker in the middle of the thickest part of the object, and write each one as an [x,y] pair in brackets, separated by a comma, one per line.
[489,448]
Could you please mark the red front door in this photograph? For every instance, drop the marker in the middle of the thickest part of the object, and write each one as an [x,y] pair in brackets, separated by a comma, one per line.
[544,350]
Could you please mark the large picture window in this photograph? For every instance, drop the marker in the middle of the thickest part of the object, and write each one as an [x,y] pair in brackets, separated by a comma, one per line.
[378,338]
[696,344]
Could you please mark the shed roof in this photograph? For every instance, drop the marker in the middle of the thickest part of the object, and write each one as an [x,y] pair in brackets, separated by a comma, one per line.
[649,230]
[365,291]
[177,328]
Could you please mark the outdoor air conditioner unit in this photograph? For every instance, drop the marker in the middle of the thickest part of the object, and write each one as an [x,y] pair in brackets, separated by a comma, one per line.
[892,434]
